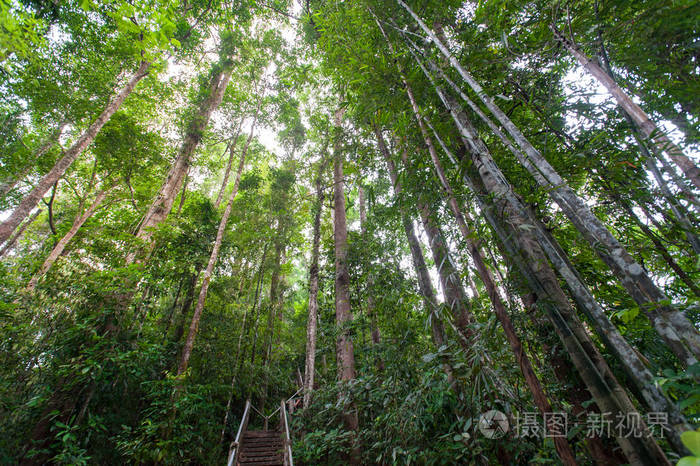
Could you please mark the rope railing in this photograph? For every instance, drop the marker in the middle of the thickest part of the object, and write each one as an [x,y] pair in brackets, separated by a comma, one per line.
[284,424]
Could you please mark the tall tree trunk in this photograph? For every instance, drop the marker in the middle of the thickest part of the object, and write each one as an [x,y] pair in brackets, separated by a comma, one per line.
[678,332]
[194,325]
[374,330]
[312,322]
[9,185]
[80,219]
[343,314]
[455,296]
[536,271]
[232,151]
[648,128]
[425,285]
[163,202]
[32,199]
[563,448]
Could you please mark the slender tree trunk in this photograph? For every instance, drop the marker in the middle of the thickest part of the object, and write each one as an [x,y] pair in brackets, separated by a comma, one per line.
[163,202]
[662,250]
[424,282]
[535,269]
[374,332]
[16,235]
[563,448]
[343,315]
[32,199]
[8,186]
[678,332]
[455,296]
[194,325]
[312,323]
[648,128]
[80,219]
[256,305]
[232,151]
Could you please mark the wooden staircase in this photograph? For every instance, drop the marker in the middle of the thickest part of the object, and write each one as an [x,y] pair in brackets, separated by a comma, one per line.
[262,448]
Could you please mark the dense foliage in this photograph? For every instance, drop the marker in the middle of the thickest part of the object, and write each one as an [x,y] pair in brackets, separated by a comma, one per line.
[408,214]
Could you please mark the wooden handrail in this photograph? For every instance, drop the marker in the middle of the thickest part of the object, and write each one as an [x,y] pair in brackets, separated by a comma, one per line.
[236,444]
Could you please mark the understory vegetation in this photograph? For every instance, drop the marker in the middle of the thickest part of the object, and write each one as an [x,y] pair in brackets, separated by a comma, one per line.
[448,232]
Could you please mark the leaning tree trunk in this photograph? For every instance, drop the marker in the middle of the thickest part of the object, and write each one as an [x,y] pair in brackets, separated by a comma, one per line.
[563,448]
[312,323]
[32,199]
[455,296]
[425,285]
[194,325]
[343,315]
[628,356]
[648,128]
[678,332]
[80,219]
[163,202]
[509,203]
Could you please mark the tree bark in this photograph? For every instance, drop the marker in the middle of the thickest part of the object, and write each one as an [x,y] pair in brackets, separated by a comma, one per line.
[648,128]
[194,325]
[32,199]
[312,323]
[678,332]
[80,219]
[163,202]
[343,314]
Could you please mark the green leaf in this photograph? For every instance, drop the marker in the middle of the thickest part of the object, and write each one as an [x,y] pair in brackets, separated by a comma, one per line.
[691,439]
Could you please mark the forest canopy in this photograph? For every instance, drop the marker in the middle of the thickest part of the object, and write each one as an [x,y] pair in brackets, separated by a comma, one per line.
[350,232]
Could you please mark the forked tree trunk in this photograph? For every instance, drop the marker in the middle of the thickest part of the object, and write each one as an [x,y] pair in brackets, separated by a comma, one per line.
[312,323]
[31,200]
[194,325]
[678,332]
[80,219]
[343,315]
[163,202]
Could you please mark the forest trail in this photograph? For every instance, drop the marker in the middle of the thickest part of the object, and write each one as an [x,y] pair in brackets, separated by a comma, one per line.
[262,448]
